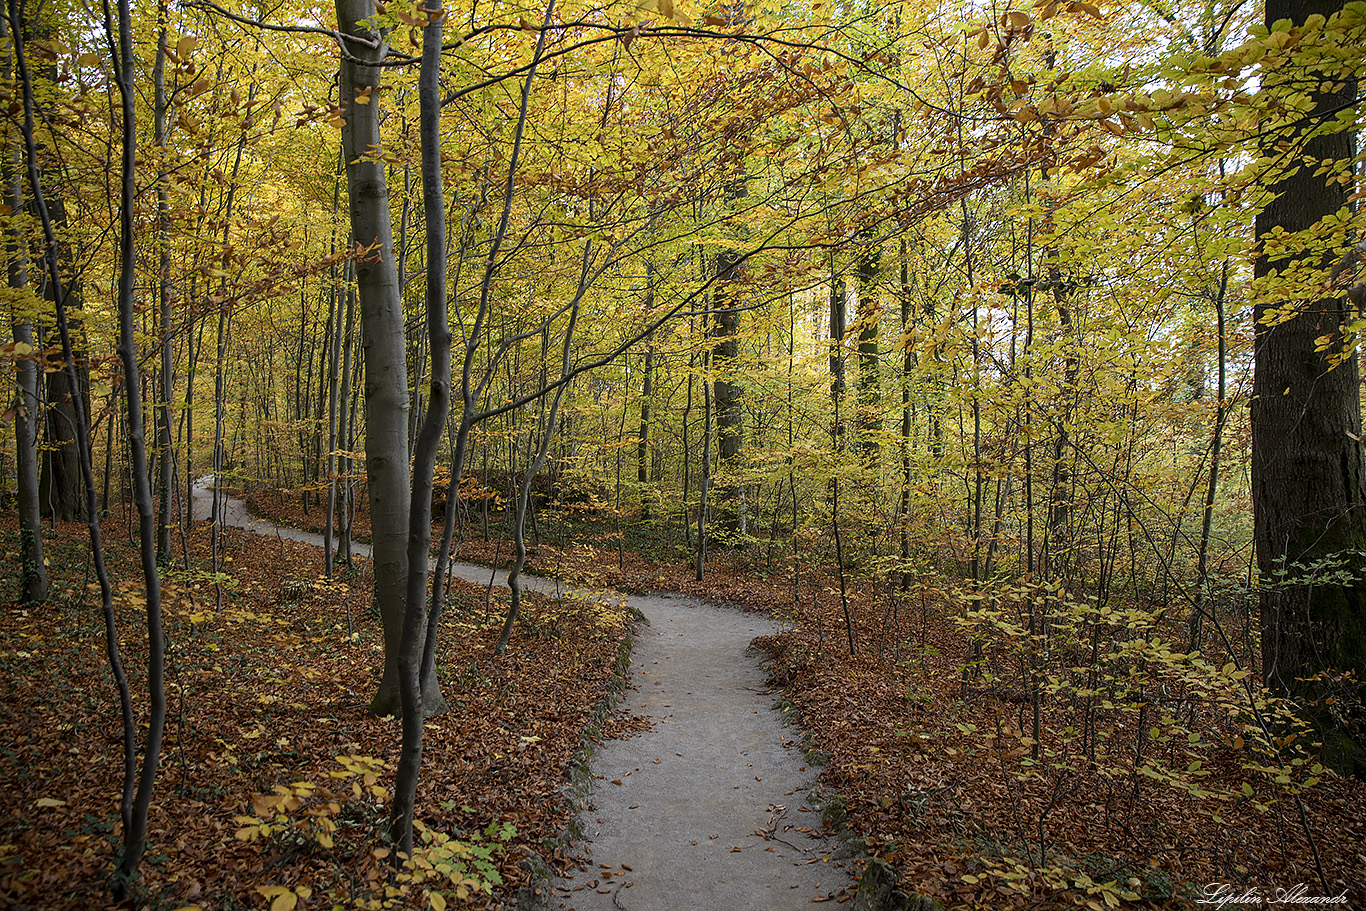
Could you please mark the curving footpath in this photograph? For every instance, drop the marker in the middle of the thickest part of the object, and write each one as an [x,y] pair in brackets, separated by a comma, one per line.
[706,809]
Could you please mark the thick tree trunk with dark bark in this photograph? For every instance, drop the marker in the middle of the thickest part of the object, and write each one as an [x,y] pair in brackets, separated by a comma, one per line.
[1308,472]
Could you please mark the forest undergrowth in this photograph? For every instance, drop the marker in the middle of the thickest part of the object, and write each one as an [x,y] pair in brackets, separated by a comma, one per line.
[274,776]
[1017,745]
[1091,762]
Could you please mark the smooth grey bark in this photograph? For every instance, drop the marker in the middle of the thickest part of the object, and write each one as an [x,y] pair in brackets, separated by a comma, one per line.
[429,432]
[160,132]
[33,582]
[346,431]
[381,307]
[704,480]
[135,830]
[334,357]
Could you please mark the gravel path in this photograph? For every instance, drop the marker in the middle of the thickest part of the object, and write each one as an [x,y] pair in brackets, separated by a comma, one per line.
[707,809]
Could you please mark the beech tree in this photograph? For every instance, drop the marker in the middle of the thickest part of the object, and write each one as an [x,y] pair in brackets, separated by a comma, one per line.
[386,357]
[1308,471]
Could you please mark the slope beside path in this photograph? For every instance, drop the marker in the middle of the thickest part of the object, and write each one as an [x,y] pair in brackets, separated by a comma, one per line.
[709,806]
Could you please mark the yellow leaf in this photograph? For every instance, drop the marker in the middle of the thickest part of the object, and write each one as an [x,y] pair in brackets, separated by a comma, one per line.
[437,900]
[666,8]
[285,902]
[1016,19]
[185,47]
[49,802]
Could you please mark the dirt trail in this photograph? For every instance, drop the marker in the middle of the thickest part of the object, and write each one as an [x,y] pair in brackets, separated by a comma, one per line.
[708,809]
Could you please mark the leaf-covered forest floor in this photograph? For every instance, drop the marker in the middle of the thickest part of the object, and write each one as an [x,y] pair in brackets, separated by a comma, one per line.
[266,692]
[934,766]
[1162,794]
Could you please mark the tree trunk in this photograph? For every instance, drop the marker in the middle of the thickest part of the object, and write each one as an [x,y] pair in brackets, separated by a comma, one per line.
[386,366]
[81,431]
[731,516]
[412,694]
[60,479]
[135,832]
[346,430]
[869,381]
[907,400]
[165,385]
[334,357]
[837,330]
[28,406]
[1308,475]
[643,442]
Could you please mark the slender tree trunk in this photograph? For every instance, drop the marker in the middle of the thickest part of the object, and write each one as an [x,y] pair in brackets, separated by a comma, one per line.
[687,448]
[1212,488]
[538,461]
[411,695]
[28,405]
[907,370]
[135,835]
[161,108]
[334,357]
[346,429]
[978,479]
[837,329]
[81,428]
[729,428]
[704,483]
[381,305]
[869,380]
[643,441]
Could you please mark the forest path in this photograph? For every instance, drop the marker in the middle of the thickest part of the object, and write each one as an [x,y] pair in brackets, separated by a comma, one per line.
[705,810]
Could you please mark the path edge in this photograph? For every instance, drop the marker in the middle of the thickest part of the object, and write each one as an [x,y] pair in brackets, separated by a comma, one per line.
[536,893]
